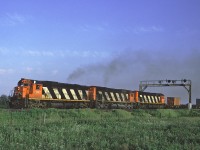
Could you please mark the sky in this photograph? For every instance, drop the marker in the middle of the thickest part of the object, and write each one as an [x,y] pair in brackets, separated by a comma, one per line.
[111,43]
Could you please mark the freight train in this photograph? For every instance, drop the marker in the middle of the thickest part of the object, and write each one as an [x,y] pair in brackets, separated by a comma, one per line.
[48,94]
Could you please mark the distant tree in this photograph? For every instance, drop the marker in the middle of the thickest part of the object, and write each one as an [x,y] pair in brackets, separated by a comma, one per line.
[4,100]
[4,97]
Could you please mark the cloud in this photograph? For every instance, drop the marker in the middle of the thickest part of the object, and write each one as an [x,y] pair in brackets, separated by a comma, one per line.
[54,53]
[151,29]
[6,71]
[12,19]
[143,29]
[39,53]
[91,27]
[66,53]
[87,54]
[130,29]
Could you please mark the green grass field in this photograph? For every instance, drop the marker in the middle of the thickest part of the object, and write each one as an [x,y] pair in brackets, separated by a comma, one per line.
[99,129]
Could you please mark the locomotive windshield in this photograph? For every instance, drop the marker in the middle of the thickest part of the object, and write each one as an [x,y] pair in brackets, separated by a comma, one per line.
[23,83]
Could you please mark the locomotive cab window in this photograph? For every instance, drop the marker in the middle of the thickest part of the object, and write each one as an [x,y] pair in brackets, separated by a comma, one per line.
[37,87]
[25,84]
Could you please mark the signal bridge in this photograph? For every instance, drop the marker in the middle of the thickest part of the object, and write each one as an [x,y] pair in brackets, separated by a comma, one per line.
[187,84]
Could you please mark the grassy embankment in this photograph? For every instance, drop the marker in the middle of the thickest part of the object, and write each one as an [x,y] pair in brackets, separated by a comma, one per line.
[98,129]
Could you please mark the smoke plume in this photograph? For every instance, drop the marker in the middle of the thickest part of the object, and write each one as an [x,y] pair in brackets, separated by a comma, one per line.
[126,69]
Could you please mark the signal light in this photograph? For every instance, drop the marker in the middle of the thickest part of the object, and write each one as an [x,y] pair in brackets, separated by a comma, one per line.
[173,81]
[183,80]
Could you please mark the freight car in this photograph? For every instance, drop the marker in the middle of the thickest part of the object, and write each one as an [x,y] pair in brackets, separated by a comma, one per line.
[197,103]
[173,102]
[33,93]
